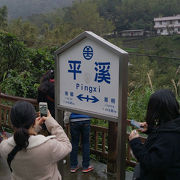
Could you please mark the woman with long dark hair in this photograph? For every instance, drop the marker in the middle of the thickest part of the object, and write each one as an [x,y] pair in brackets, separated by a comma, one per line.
[159,156]
[31,156]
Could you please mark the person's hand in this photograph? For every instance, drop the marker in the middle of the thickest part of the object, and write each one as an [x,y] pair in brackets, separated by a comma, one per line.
[40,120]
[44,118]
[144,127]
[134,134]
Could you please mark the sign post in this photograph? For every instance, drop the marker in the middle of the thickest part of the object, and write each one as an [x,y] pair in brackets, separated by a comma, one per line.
[91,78]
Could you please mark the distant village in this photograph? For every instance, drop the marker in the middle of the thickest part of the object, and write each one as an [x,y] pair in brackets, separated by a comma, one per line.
[162,26]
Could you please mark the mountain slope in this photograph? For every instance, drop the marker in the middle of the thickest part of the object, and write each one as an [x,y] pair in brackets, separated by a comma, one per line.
[25,8]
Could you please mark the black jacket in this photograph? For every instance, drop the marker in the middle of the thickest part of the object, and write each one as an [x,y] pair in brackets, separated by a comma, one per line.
[47,95]
[159,157]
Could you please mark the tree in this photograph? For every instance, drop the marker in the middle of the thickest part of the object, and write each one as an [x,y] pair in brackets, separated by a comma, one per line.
[24,30]
[12,54]
[107,9]
[22,67]
[3,17]
[85,15]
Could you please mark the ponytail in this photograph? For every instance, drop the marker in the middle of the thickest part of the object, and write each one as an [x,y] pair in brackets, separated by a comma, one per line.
[21,137]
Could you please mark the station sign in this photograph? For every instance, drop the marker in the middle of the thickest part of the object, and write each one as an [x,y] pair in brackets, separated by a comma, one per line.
[88,76]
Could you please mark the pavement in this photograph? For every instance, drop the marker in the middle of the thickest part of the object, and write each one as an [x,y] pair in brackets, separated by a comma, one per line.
[99,172]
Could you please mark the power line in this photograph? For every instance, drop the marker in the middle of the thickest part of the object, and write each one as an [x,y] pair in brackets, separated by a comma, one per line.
[149,55]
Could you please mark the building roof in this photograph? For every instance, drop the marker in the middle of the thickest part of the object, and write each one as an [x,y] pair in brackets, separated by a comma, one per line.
[135,30]
[177,17]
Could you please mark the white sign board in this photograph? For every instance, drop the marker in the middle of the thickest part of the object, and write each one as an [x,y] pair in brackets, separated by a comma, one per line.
[89,78]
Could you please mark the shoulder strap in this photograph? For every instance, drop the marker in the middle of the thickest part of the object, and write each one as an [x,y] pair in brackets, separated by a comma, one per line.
[11,155]
[50,98]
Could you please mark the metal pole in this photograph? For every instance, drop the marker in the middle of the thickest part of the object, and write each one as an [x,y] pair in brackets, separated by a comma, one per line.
[112,148]
[121,140]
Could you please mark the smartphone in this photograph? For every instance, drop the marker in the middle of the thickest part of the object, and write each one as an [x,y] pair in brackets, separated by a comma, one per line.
[135,124]
[43,108]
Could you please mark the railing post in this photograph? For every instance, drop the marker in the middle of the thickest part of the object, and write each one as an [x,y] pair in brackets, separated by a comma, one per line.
[112,148]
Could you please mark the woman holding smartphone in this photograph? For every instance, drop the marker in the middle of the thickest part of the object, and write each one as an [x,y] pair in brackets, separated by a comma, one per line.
[31,156]
[159,156]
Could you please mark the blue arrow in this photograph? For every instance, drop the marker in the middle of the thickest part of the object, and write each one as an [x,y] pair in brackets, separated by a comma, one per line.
[95,99]
[81,98]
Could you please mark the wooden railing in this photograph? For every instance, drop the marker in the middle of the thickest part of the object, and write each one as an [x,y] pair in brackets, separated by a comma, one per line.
[8,99]
[99,149]
[4,116]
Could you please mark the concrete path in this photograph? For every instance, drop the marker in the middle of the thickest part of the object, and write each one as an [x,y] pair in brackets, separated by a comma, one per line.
[99,172]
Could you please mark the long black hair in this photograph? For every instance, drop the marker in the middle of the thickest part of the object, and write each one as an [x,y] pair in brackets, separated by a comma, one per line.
[22,116]
[162,107]
[45,81]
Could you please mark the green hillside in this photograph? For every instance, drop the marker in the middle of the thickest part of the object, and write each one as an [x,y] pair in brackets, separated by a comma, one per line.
[168,46]
[25,8]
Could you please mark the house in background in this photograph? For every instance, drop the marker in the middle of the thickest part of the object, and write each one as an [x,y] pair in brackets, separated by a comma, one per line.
[167,25]
[132,33]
